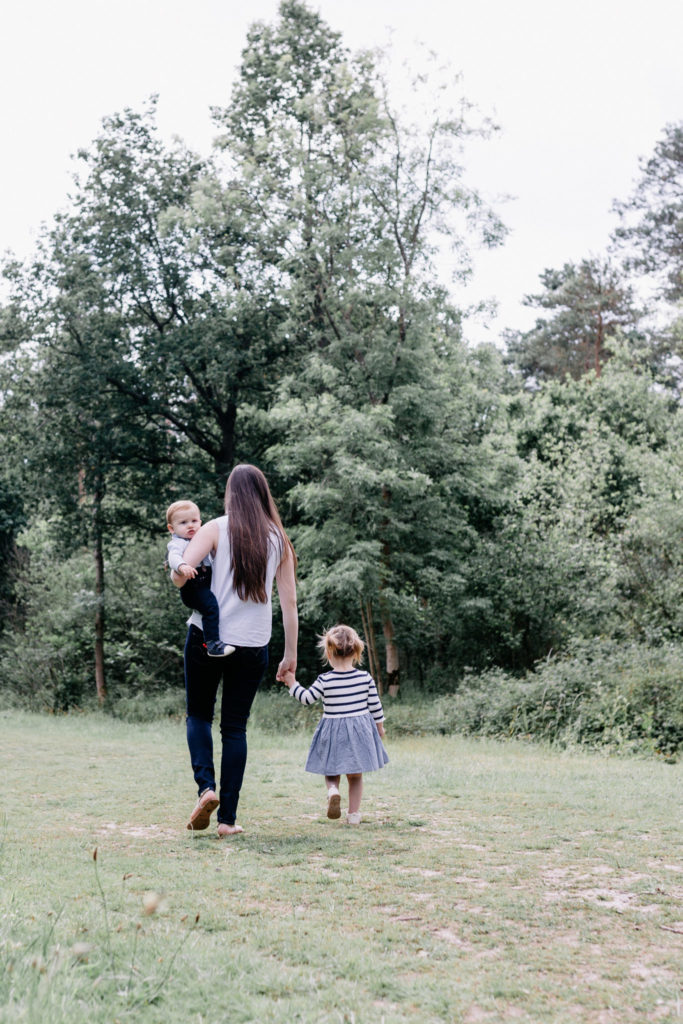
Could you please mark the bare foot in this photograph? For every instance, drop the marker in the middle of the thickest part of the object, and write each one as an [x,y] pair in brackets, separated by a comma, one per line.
[228,830]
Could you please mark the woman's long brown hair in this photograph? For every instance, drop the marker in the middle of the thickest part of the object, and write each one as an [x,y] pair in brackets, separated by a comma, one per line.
[252,514]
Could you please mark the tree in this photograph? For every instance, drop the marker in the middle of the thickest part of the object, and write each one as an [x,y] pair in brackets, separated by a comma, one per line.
[571,545]
[195,312]
[89,457]
[141,349]
[650,231]
[649,568]
[199,343]
[300,129]
[367,198]
[587,303]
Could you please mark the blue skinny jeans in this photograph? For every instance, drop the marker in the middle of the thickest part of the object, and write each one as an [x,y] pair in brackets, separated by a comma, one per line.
[241,674]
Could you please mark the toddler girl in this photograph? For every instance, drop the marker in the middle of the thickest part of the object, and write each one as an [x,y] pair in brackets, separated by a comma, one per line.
[347,739]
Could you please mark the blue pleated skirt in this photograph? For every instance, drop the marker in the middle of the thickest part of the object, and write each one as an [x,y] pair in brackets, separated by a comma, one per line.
[346,745]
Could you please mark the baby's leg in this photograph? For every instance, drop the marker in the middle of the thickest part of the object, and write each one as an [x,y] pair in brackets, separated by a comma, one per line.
[207,605]
[355,792]
[333,797]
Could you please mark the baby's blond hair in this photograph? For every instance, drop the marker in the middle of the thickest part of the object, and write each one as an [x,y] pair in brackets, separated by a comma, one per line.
[176,507]
[341,642]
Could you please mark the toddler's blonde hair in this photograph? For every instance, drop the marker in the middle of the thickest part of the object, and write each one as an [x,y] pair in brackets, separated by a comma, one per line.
[179,506]
[341,642]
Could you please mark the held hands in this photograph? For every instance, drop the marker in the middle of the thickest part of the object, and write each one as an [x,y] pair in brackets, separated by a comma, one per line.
[286,667]
[288,678]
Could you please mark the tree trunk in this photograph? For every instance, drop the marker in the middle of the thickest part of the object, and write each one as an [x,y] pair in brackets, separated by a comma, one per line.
[599,337]
[100,681]
[391,653]
[225,459]
[392,659]
[369,630]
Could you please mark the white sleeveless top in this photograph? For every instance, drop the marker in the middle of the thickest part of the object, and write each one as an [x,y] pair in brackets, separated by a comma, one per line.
[241,623]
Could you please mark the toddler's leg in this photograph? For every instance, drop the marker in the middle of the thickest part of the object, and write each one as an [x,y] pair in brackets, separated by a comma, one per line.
[207,604]
[197,594]
[333,796]
[355,794]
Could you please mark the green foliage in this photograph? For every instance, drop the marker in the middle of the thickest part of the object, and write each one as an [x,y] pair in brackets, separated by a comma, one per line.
[13,515]
[587,304]
[650,563]
[627,696]
[274,711]
[149,705]
[49,665]
[282,303]
[650,220]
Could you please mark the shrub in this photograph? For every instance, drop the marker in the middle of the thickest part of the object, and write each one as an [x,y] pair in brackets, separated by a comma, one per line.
[623,695]
[49,664]
[275,711]
[150,707]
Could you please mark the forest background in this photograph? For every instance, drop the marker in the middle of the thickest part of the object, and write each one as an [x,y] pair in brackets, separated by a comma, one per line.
[504,527]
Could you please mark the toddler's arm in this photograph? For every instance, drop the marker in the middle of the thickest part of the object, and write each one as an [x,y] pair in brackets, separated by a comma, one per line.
[375,706]
[204,541]
[180,569]
[303,695]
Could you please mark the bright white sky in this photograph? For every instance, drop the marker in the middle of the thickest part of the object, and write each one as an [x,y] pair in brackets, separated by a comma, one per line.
[581,90]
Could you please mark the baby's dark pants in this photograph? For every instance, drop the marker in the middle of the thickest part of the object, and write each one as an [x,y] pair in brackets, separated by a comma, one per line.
[197,595]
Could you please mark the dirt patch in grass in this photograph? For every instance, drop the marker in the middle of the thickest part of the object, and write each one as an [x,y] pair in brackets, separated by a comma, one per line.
[127,828]
[448,935]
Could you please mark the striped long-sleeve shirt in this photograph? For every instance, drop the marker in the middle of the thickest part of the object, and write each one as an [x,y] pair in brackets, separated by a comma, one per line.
[344,694]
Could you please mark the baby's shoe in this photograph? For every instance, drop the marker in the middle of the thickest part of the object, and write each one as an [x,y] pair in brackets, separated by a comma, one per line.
[353,817]
[333,803]
[217,649]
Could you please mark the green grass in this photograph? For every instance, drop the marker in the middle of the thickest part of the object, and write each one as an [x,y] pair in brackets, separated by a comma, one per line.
[488,883]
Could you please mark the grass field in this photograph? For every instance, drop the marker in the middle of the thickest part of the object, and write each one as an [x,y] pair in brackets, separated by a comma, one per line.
[488,883]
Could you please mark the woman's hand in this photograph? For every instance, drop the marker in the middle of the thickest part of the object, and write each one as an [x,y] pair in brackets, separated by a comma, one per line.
[287,667]
[289,679]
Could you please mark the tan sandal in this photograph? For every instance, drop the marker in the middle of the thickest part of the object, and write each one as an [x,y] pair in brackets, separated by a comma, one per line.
[333,803]
[201,815]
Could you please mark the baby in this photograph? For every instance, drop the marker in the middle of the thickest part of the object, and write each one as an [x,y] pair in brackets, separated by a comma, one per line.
[183,520]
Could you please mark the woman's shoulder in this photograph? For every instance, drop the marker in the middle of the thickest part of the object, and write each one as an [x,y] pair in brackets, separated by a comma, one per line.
[217,525]
[212,532]
[214,525]
[276,542]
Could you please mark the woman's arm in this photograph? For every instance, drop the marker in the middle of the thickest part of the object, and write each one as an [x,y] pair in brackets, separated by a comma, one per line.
[286,588]
[204,541]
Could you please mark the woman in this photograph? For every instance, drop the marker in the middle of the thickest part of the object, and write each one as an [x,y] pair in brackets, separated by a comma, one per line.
[249,548]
